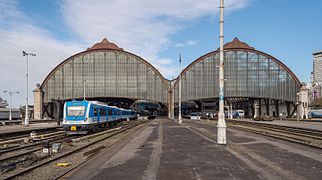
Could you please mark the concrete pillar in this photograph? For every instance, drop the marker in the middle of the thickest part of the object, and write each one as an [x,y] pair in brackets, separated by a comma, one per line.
[169,103]
[277,108]
[231,111]
[38,102]
[256,109]
[288,109]
[58,105]
[303,101]
[260,107]
[267,106]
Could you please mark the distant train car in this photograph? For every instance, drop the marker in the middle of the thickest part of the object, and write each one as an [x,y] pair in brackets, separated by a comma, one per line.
[4,113]
[315,113]
[147,108]
[81,117]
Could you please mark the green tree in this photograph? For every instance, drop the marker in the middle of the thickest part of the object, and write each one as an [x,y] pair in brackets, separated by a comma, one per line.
[3,103]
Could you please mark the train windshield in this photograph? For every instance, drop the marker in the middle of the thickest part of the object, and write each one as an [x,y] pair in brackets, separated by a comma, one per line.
[76,111]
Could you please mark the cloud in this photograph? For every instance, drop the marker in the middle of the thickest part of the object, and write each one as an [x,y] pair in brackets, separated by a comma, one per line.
[143,27]
[19,34]
[188,43]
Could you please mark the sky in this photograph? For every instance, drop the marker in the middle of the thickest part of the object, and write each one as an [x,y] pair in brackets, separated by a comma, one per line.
[156,30]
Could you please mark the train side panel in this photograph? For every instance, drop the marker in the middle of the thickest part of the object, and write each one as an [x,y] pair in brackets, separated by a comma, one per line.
[80,117]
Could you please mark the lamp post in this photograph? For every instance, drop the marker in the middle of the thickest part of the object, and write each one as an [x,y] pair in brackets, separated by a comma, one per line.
[180,116]
[24,53]
[10,93]
[84,88]
[221,124]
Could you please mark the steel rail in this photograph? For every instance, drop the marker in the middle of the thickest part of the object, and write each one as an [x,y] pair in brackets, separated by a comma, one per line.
[51,139]
[70,152]
[292,134]
[317,134]
[88,152]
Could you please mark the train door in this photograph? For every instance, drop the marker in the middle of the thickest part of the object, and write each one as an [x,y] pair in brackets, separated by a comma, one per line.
[109,114]
[98,115]
[95,114]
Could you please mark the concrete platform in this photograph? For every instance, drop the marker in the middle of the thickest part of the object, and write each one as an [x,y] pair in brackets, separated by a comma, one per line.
[9,129]
[301,124]
[167,150]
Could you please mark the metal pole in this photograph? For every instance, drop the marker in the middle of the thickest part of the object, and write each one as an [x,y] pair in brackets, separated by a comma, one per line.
[180,117]
[231,111]
[84,82]
[27,113]
[10,111]
[27,79]
[221,125]
[84,86]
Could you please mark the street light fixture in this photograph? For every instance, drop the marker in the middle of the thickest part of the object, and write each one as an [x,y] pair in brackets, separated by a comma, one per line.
[24,53]
[10,109]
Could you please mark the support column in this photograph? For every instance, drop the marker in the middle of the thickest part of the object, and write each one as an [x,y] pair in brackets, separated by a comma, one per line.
[38,102]
[276,102]
[51,112]
[267,106]
[303,97]
[253,107]
[288,109]
[57,105]
[256,109]
[231,111]
[260,107]
[169,104]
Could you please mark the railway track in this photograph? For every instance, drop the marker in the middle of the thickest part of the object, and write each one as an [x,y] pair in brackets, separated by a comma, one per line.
[298,135]
[77,144]
[27,142]
[26,133]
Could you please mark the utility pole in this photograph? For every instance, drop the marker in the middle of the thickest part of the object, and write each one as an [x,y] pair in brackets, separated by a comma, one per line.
[221,124]
[24,53]
[180,116]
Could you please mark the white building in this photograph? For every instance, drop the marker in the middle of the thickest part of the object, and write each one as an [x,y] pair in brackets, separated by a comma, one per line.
[315,86]
[317,67]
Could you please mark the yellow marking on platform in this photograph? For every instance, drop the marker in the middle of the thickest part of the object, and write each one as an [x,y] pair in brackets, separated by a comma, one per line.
[62,164]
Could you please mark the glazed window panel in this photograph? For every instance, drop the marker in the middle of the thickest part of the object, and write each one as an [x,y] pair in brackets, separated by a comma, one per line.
[247,74]
[109,74]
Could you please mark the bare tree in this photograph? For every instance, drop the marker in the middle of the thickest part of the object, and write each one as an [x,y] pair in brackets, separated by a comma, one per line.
[3,103]
[317,102]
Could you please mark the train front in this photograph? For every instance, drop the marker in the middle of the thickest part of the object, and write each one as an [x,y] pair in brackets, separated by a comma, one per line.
[76,119]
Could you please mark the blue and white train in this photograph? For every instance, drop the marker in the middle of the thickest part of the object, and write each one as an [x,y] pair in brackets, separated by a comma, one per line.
[81,117]
[315,113]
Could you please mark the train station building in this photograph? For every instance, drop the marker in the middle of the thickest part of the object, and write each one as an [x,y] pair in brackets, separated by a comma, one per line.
[256,82]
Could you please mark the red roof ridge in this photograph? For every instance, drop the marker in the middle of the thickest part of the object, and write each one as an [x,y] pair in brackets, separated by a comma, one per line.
[237,44]
[105,44]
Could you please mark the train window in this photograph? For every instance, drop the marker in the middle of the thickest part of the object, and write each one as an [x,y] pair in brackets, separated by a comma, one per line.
[76,111]
[102,112]
[95,112]
[110,112]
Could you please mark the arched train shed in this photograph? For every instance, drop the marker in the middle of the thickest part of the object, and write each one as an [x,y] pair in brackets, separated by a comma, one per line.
[252,78]
[108,71]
